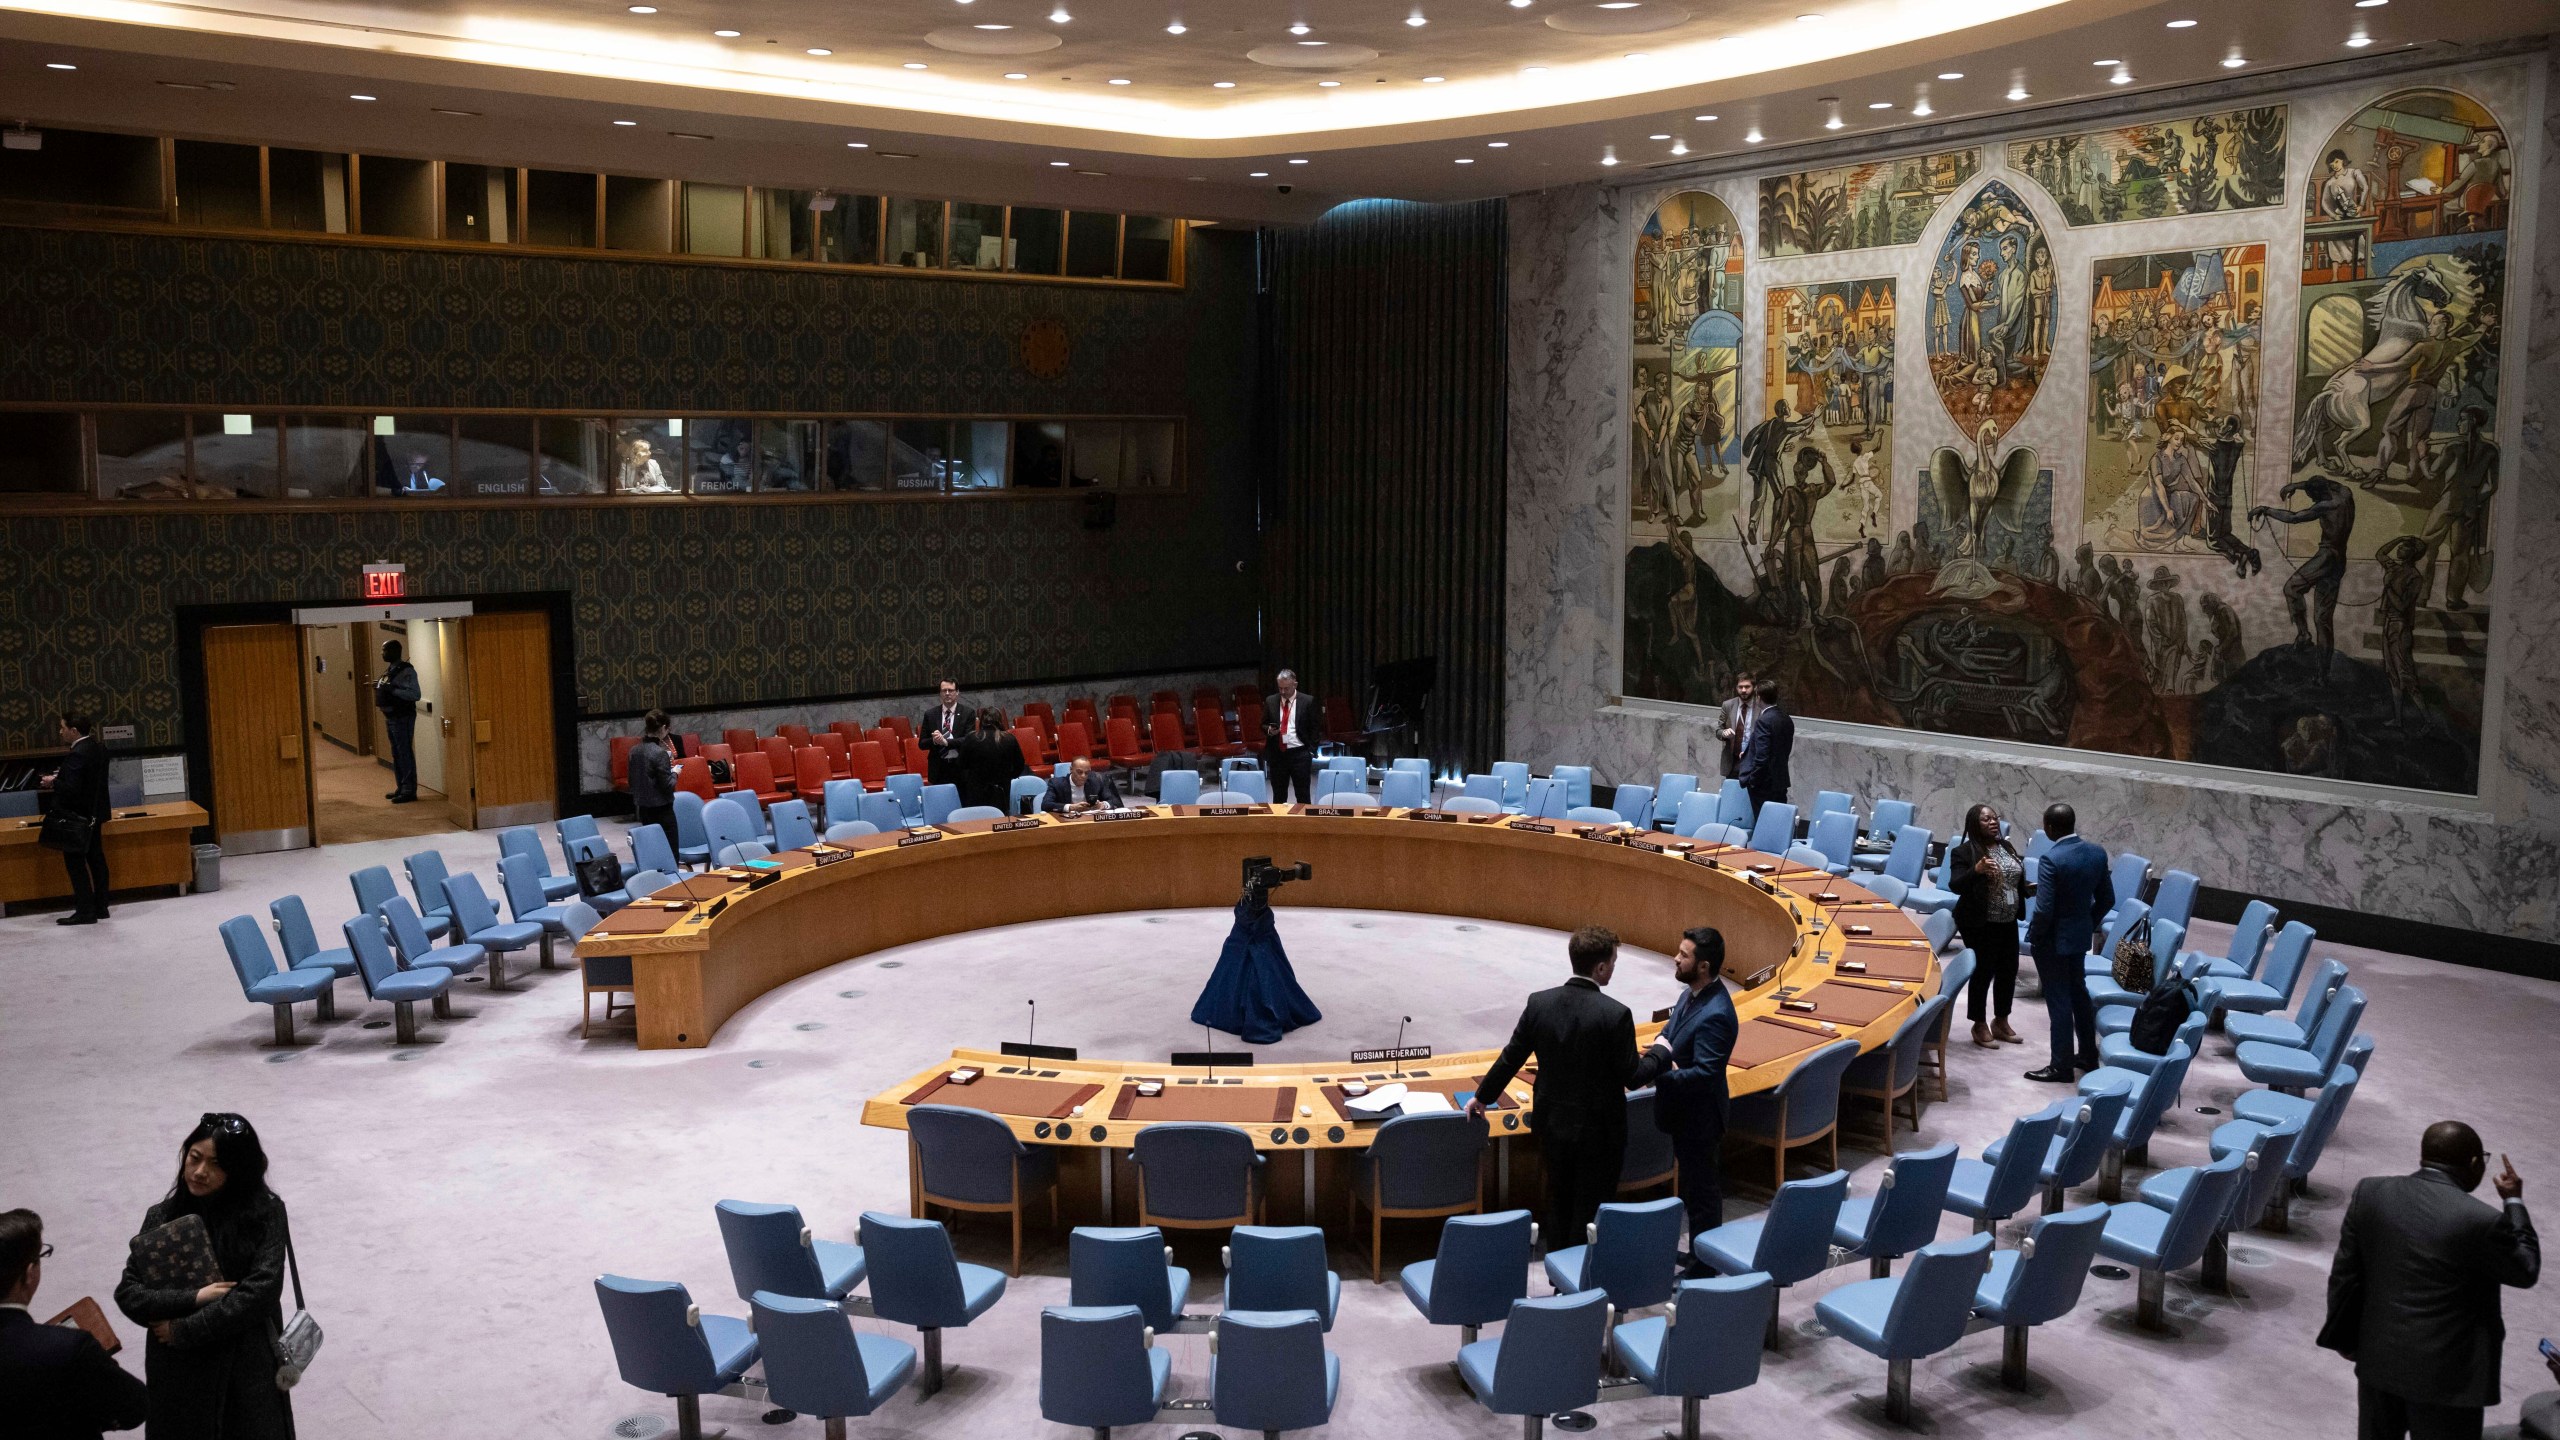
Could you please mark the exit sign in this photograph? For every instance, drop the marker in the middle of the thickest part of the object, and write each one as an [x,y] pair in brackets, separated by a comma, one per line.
[385,582]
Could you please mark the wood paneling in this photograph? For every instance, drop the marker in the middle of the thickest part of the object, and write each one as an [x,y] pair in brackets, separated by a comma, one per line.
[509,661]
[254,715]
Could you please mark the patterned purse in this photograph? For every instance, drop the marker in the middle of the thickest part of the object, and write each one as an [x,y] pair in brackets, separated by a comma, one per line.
[177,1256]
[2134,968]
[299,1343]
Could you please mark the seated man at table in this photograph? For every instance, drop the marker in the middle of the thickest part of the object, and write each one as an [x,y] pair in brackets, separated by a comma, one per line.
[1082,788]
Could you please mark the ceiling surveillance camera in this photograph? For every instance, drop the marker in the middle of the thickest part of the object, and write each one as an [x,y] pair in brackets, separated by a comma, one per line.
[1283,189]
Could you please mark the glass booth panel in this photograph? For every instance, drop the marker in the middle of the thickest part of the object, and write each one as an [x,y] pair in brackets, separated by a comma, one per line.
[411,457]
[857,455]
[1039,239]
[646,456]
[787,455]
[919,454]
[568,456]
[1146,249]
[724,456]
[1153,457]
[234,454]
[978,454]
[40,454]
[307,191]
[480,203]
[1093,244]
[142,455]
[218,185]
[915,233]
[328,457]
[1096,452]
[977,236]
[1040,454]
[493,454]
[560,208]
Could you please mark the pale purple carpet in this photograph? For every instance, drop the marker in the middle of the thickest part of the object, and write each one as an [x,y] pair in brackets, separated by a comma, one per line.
[452,1202]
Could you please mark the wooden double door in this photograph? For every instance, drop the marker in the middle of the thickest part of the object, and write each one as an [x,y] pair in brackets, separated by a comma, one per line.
[496,728]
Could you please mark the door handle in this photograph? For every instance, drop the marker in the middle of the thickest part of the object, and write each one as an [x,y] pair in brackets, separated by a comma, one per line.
[288,747]
[482,732]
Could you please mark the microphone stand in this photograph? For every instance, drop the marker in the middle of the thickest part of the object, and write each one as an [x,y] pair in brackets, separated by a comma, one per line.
[1209,1049]
[1400,1024]
[1034,1033]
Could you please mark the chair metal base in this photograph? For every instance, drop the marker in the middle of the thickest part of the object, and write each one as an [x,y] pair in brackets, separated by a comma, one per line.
[2217,1263]
[327,1009]
[284,1023]
[443,1006]
[2013,1357]
[1897,1391]
[2151,1287]
[2111,1175]
[1985,1225]
[2278,1217]
[498,970]
[931,1371]
[546,952]
[404,1022]
[1880,1267]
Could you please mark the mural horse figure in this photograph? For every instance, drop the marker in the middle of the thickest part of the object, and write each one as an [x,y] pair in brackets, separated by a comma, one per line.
[2345,407]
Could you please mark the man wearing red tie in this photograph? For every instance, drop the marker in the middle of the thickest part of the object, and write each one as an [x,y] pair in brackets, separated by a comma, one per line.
[1290,729]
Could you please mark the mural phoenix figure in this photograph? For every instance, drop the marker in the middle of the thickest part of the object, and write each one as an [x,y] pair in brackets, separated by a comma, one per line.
[1980,489]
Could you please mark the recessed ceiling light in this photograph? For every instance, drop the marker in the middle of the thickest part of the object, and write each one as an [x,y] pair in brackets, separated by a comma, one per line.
[172,84]
[1466,160]
[1098,174]
[1311,42]
[1834,123]
[465,114]
[1259,175]
[1519,4]
[1950,74]
[1497,144]
[626,122]
[1807,19]
[2233,62]
[1618,4]
[1328,84]
[726,34]
[1060,16]
[2359,40]
[2120,78]
[1415,20]
[2017,92]
[1702,117]
[1657,137]
[1061,164]
[990,27]
[1535,70]
[59,65]
[359,97]
[894,154]
[1297,162]
[1754,136]
[1434,79]
[1116,80]
[857,144]
[1015,75]
[2182,24]
[2102,64]
[1879,104]
[643,9]
[1176,28]
[2370,4]
[820,50]
[1300,28]
[687,135]
[1609,159]
[915,65]
[1639,55]
[1921,106]
[1222,84]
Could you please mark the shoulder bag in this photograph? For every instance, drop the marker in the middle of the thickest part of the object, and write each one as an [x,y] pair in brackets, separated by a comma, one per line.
[299,1343]
[68,831]
[2134,967]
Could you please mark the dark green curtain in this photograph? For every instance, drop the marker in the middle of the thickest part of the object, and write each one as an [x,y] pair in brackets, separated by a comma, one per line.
[1382,516]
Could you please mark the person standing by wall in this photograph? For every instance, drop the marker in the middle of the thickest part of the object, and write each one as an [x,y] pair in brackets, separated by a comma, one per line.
[2073,892]
[1763,766]
[211,1360]
[1991,887]
[395,694]
[1290,729]
[60,1383]
[79,787]
[1734,724]
[1585,1044]
[653,777]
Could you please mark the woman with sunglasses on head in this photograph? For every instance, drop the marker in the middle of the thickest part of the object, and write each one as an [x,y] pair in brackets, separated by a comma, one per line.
[1991,889]
[211,1359]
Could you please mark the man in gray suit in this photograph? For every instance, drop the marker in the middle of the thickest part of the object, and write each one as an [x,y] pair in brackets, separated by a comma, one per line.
[2413,1293]
[1735,725]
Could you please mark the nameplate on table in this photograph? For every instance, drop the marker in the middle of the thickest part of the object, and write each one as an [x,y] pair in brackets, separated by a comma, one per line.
[1437,817]
[1104,817]
[1025,823]
[1339,812]
[1647,845]
[918,837]
[1801,1005]
[1605,837]
[1760,977]
[1230,810]
[828,855]
[1763,884]
[1826,897]
[1534,827]
[1859,929]
[1694,858]
[1392,1052]
[715,907]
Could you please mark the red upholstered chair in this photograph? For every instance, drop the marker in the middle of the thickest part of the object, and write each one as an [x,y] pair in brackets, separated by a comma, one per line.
[1035,746]
[810,771]
[893,749]
[687,743]
[694,773]
[1167,728]
[1213,736]
[798,735]
[851,730]
[777,759]
[1040,711]
[905,725]
[1126,750]
[1124,705]
[720,752]
[738,741]
[1249,724]
[754,774]
[617,759]
[1248,695]
[1181,732]
[916,760]
[870,765]
[835,745]
[1074,740]
[1208,695]
[1159,699]
[1339,727]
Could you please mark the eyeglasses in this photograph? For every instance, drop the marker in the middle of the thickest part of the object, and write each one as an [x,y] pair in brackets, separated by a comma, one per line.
[224,1122]
[44,1252]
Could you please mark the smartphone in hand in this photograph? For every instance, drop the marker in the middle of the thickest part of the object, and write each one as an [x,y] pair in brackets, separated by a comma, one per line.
[2548,1352]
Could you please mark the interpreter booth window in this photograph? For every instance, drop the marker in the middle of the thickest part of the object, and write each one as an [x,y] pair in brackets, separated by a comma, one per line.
[977,236]
[849,234]
[1039,241]
[857,455]
[412,457]
[142,455]
[785,227]
[560,208]
[1040,454]
[217,185]
[396,195]
[915,233]
[1093,244]
[1146,249]
[978,454]
[328,457]
[789,455]
[234,456]
[493,454]
[1153,459]
[569,456]
[715,219]
[307,191]
[480,203]
[723,456]
[646,456]
[40,455]
[1095,453]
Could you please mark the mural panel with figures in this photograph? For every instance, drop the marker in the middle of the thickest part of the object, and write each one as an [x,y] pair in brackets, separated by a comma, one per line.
[2233,160]
[2319,610]
[1858,207]
[1688,352]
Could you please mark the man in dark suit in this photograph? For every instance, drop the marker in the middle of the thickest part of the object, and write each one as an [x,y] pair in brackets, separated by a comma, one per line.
[1291,729]
[2413,1293]
[1685,1067]
[1586,1048]
[1768,741]
[396,695]
[59,1380]
[1082,787]
[1733,725]
[2073,893]
[990,759]
[79,786]
[941,728]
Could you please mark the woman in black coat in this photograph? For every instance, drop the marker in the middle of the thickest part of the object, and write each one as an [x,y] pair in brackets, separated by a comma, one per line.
[1991,888]
[211,1359]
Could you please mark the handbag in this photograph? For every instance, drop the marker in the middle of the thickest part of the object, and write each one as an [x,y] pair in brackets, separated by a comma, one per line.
[720,774]
[176,1256]
[299,1342]
[2134,970]
[68,831]
[2157,1018]
[598,874]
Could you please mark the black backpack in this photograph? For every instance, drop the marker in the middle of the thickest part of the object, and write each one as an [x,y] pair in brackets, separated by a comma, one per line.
[2157,1018]
[720,772]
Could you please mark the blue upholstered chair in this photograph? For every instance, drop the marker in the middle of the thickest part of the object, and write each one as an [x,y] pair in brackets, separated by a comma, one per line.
[1634,805]
[1489,787]
[373,885]
[2099,963]
[1197,1177]
[1931,894]
[582,848]
[1789,1242]
[1514,777]
[1280,1267]
[2318,1121]
[1697,811]
[415,952]
[939,801]
[842,799]
[1701,1345]
[1902,1215]
[908,791]
[2269,1152]
[1594,815]
[969,1160]
[1938,927]
[1955,972]
[844,830]
[650,847]
[1890,1073]
[2175,901]
[1649,1160]
[1668,794]
[1131,1265]
[1471,805]
[2117,1048]
[1826,802]
[302,950]
[880,811]
[526,905]
[2287,957]
[664,1344]
[426,872]
[385,981]
[2129,874]
[1405,790]
[1253,783]
[917,1280]
[1234,765]
[1482,1267]
[2075,1153]
[815,1362]
[1577,783]
[1099,1368]
[2038,1282]
[571,830]
[1835,836]
[2156,1240]
[967,813]
[522,840]
[1546,1362]
[262,983]
[1269,1371]
[1177,787]
[1547,800]
[1775,830]
[1884,822]
[1733,804]
[2153,1095]
[1418,1166]
[1999,1185]
[728,821]
[2327,979]
[1904,861]
[791,827]
[2239,959]
[693,833]
[1632,1253]
[1029,794]
[2165,937]
[478,922]
[2297,1068]
[1910,1316]
[770,1249]
[1802,1108]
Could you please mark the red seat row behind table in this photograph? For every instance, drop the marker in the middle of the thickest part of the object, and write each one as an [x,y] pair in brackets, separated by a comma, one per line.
[617,759]
[810,771]
[1125,749]
[869,765]
[778,762]
[798,735]
[836,745]
[1213,741]
[693,773]
[1036,751]
[1074,740]
[1339,727]
[1249,724]
[738,741]
[893,749]
[753,773]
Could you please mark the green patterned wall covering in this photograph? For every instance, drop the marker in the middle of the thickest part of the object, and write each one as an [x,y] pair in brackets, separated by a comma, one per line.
[685,605]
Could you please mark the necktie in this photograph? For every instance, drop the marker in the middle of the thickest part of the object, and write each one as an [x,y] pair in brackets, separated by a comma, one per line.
[1285,736]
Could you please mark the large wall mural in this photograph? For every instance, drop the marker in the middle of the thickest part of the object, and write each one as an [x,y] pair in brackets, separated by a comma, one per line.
[2233,160]
[2168,491]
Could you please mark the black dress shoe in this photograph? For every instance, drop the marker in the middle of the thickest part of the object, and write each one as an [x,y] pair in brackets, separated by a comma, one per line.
[398,799]
[2053,1075]
[78,917]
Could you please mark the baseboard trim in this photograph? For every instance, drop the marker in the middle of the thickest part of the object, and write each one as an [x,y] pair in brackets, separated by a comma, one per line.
[2506,954]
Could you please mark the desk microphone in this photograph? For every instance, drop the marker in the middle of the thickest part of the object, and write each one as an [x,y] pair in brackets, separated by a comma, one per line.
[1209,1049]
[1034,1032]
[1400,1024]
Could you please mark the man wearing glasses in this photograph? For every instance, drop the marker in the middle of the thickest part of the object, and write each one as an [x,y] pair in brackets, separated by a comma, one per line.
[60,1381]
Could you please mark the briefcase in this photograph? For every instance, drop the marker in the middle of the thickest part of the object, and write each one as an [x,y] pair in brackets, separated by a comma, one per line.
[598,874]
[68,831]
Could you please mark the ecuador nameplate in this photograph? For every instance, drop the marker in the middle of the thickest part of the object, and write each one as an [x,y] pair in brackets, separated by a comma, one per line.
[1694,858]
